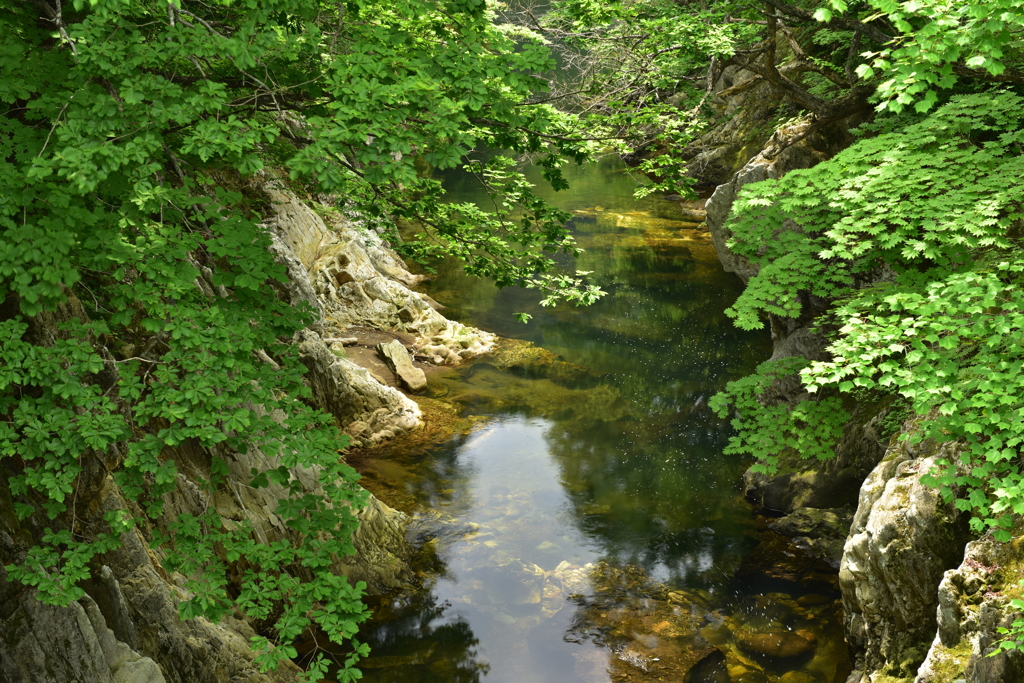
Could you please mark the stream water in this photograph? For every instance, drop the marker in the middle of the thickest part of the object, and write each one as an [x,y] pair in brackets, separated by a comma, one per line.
[589,528]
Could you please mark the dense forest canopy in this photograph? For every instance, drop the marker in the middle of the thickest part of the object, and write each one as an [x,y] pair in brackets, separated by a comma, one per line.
[133,130]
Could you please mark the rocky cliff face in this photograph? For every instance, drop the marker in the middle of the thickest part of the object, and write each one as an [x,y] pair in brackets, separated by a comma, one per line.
[973,603]
[902,540]
[127,629]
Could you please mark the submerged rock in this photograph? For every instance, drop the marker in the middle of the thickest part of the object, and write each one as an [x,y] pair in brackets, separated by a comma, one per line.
[514,583]
[711,669]
[815,523]
[776,643]
[819,532]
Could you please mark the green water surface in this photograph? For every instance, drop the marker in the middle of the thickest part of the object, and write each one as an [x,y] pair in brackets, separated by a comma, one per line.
[591,529]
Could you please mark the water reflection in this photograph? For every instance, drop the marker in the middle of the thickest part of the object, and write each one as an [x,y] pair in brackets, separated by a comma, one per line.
[592,530]
[434,645]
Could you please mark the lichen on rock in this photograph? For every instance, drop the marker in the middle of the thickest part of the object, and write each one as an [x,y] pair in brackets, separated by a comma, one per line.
[974,602]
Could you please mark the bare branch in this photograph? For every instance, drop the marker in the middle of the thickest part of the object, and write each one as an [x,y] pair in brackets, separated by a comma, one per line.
[56,16]
[851,76]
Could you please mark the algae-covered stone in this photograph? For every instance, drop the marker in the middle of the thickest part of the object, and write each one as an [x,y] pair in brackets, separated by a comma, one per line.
[815,523]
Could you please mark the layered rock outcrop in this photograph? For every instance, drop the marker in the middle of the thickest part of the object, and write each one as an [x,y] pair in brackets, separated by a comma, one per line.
[358,281]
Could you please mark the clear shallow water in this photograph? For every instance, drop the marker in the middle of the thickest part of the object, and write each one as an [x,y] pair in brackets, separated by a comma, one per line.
[590,529]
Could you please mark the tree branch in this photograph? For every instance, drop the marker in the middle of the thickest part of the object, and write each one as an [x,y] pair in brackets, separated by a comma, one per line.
[870,31]
[771,74]
[56,16]
[1008,76]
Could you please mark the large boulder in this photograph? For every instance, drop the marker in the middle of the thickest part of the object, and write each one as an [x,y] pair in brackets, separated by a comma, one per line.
[792,147]
[126,629]
[50,644]
[903,539]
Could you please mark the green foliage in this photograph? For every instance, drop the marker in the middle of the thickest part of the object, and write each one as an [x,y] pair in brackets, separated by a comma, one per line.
[122,117]
[952,348]
[495,242]
[767,427]
[635,73]
[912,230]
[898,412]
[935,43]
[1013,636]
[917,198]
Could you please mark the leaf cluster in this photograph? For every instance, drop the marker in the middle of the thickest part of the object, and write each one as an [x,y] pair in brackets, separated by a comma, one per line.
[768,427]
[913,233]
[917,199]
[935,44]
[123,120]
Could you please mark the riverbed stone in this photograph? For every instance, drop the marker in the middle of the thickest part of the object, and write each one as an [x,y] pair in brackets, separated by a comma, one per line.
[814,522]
[774,643]
[398,360]
[512,583]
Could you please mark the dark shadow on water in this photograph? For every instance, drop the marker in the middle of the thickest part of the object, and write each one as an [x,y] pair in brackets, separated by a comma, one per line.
[424,641]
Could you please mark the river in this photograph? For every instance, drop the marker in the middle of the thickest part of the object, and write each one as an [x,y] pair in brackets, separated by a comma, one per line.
[588,527]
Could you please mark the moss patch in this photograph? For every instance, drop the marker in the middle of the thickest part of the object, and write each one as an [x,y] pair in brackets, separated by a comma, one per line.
[951,661]
[1007,577]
